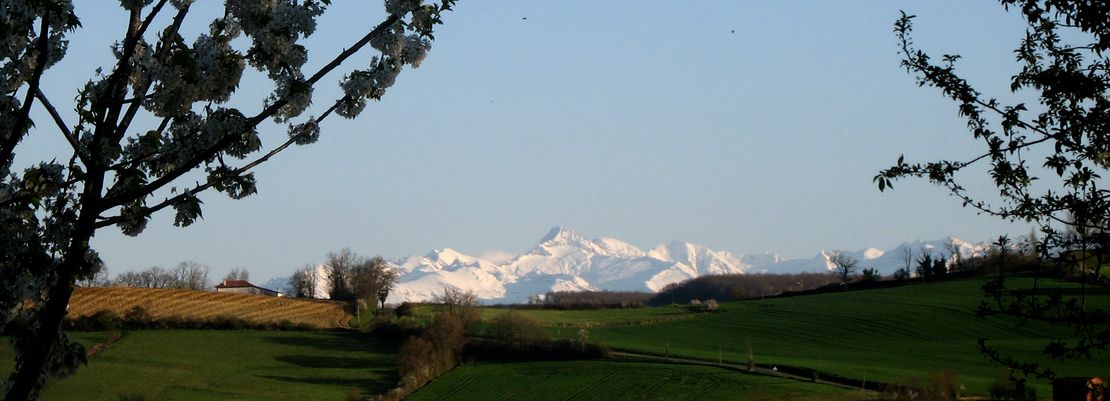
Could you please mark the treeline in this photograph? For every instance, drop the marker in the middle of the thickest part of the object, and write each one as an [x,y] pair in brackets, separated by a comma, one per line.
[350,277]
[570,300]
[187,275]
[138,318]
[735,287]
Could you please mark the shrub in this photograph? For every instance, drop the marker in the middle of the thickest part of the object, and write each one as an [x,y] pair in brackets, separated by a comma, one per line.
[711,305]
[102,320]
[423,358]
[397,328]
[1004,388]
[942,386]
[514,328]
[405,309]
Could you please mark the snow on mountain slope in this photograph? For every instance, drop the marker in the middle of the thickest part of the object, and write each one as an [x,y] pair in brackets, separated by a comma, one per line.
[424,277]
[427,286]
[889,261]
[566,260]
[701,259]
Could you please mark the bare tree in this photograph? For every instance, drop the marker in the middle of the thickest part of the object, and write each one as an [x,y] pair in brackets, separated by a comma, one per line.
[190,275]
[844,266]
[303,282]
[339,267]
[459,304]
[238,273]
[907,258]
[187,275]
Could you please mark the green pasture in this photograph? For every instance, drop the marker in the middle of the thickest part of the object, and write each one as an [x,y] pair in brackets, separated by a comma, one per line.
[230,365]
[609,380]
[883,335]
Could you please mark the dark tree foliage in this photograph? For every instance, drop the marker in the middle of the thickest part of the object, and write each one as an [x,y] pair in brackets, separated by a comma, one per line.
[356,278]
[1046,160]
[154,131]
[925,266]
[734,287]
[591,300]
[870,274]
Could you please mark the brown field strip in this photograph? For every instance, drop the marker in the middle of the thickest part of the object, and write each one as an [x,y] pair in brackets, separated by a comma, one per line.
[191,304]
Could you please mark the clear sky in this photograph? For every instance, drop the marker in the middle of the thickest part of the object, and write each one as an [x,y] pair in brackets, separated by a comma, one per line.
[743,126]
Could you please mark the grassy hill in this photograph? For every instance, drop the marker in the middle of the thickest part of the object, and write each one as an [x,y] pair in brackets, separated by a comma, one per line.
[161,302]
[228,365]
[609,380]
[884,335]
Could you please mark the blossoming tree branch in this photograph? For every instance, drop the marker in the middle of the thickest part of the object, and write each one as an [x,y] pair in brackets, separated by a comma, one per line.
[119,171]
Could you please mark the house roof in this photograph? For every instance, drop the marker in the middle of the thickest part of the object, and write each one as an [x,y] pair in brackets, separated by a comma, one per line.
[235,284]
[243,284]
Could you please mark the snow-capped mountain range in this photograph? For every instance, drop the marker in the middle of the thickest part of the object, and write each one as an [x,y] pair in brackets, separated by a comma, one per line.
[565,260]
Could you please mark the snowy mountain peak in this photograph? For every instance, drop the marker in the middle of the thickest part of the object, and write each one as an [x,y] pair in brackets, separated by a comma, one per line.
[564,259]
[561,235]
[449,256]
[872,253]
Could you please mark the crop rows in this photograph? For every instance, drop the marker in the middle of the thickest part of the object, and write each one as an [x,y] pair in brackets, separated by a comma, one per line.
[191,304]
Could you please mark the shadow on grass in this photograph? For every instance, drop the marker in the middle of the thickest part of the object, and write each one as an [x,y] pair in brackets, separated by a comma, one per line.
[366,386]
[336,341]
[332,362]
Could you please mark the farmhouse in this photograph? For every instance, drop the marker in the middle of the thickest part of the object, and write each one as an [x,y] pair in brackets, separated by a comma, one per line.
[244,287]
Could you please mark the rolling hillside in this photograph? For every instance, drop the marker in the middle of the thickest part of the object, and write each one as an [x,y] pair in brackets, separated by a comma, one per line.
[874,335]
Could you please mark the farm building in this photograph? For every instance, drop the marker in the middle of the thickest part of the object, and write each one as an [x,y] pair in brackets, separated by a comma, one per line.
[244,287]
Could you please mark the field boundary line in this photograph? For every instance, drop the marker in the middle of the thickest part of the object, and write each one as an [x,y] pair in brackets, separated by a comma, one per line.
[740,368]
[103,345]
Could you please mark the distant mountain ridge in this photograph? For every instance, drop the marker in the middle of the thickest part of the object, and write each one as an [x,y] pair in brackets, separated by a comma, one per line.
[566,260]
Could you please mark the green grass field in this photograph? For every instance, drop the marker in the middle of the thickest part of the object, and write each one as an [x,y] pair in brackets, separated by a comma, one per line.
[608,380]
[230,365]
[883,335]
[877,335]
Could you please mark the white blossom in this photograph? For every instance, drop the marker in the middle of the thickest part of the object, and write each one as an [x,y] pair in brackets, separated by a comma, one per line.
[399,7]
[416,49]
[305,133]
[391,41]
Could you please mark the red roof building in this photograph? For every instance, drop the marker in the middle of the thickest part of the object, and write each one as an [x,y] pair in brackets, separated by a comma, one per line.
[244,287]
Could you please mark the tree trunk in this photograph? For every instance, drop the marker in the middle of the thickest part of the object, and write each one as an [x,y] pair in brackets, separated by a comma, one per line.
[29,375]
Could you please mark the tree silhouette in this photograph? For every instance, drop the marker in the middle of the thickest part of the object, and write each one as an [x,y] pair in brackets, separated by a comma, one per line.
[843,266]
[118,173]
[1046,160]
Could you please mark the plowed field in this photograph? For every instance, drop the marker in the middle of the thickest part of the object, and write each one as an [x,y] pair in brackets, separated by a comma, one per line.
[160,302]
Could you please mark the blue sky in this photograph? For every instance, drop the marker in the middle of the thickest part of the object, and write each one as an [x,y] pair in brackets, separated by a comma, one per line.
[743,126]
